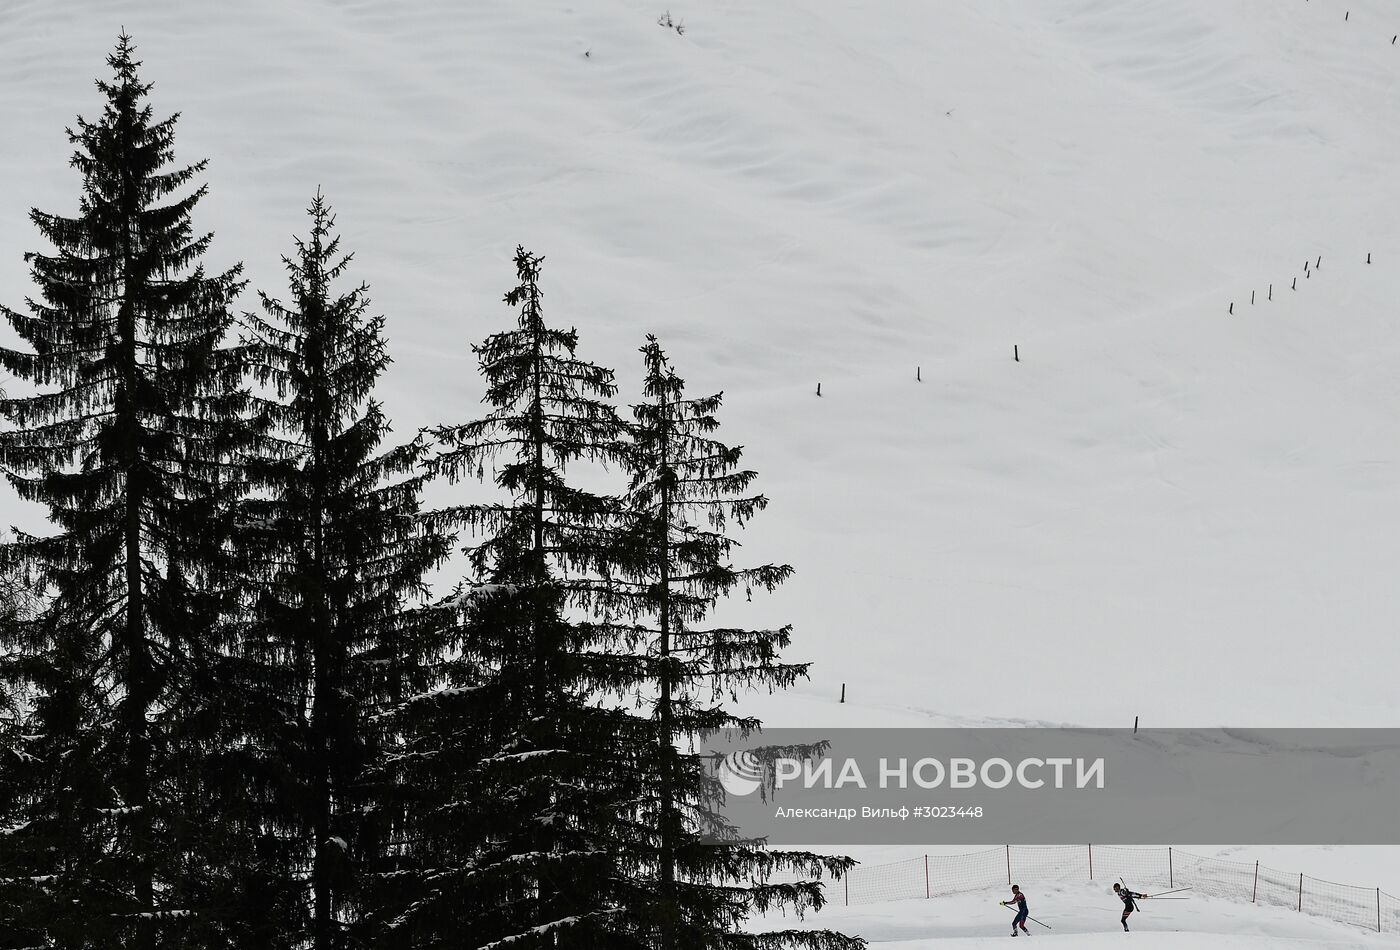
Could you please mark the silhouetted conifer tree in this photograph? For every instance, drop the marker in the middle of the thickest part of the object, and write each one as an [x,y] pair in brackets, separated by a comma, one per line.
[522,773]
[336,536]
[128,442]
[686,489]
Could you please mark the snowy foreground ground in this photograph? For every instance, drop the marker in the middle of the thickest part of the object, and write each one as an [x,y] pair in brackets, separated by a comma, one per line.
[1087,916]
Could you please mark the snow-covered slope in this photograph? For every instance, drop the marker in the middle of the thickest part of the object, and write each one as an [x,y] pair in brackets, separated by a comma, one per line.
[1172,511]
[1163,509]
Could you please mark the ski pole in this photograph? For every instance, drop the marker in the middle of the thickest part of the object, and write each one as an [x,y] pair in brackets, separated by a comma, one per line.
[1177,891]
[1029,917]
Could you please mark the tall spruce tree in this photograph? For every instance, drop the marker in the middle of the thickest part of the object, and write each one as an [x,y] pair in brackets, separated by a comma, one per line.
[336,634]
[522,772]
[128,443]
[686,489]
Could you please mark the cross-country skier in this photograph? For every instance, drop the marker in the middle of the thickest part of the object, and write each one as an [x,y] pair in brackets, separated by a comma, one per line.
[1127,897]
[1022,911]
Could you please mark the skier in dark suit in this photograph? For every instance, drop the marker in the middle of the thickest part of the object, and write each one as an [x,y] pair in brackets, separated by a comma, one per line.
[1022,911]
[1127,897]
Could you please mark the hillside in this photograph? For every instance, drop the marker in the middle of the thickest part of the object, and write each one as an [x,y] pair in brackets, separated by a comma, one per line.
[1162,509]
[1157,494]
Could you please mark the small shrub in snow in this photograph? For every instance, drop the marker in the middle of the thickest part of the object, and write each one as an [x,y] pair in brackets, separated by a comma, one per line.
[670,24]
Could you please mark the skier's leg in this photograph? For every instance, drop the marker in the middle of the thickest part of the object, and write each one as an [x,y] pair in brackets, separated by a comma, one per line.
[1125,919]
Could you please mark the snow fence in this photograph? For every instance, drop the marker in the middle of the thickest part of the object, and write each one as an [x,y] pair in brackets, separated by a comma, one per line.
[1147,870]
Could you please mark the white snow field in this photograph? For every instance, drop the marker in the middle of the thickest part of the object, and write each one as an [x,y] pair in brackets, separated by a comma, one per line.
[1162,510]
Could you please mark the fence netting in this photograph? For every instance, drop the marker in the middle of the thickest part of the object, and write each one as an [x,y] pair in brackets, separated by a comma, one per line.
[1390,913]
[952,874]
[901,881]
[1360,906]
[1147,870]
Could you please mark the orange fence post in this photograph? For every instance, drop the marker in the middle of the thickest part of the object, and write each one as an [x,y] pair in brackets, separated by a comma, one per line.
[1091,862]
[1008,864]
[1255,898]
[1171,875]
[927,892]
[1378,910]
[1300,892]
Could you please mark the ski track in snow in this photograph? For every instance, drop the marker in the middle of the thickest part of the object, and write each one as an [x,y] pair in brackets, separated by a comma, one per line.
[1083,915]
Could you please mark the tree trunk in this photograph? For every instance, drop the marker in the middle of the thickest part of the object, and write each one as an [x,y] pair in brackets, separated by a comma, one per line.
[544,684]
[325,651]
[138,792]
[665,713]
[138,660]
